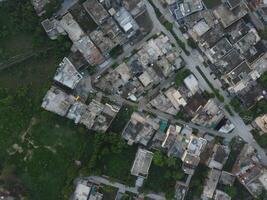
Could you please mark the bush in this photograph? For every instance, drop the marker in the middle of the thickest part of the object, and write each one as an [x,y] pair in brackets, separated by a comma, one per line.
[181,75]
[116,51]
[227,107]
[263,80]
[168,25]
[235,103]
[192,43]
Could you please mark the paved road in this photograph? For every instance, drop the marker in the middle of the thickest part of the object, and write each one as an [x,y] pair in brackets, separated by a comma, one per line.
[122,188]
[192,61]
[117,98]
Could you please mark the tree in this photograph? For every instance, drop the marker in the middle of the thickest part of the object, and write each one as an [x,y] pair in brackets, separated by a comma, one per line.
[231,191]
[181,75]
[263,34]
[158,159]
[263,80]
[235,103]
[192,43]
[52,7]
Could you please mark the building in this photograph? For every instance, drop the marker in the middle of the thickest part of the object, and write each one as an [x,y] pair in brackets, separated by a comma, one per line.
[171,136]
[89,51]
[67,74]
[95,116]
[102,41]
[192,84]
[220,49]
[209,115]
[57,101]
[142,162]
[180,191]
[249,171]
[211,183]
[96,11]
[220,195]
[219,157]
[135,7]
[126,22]
[227,178]
[175,98]
[140,129]
[71,27]
[52,28]
[162,103]
[261,123]
[227,16]
[112,30]
[98,116]
[187,7]
[86,191]
[39,6]
[191,156]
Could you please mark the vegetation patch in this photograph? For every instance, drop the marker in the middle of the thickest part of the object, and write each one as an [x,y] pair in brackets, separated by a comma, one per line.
[236,146]
[163,174]
[197,183]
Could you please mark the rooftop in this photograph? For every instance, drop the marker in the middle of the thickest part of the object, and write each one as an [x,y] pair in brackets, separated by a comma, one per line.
[237,30]
[220,49]
[192,84]
[39,6]
[220,195]
[195,103]
[85,191]
[201,27]
[227,178]
[82,192]
[219,157]
[102,41]
[228,16]
[209,115]
[233,3]
[261,122]
[142,163]
[71,27]
[196,145]
[212,36]
[249,40]
[228,62]
[171,136]
[238,74]
[89,51]
[57,101]
[98,116]
[188,7]
[96,11]
[67,74]
[140,129]
[111,29]
[163,104]
[211,183]
[126,21]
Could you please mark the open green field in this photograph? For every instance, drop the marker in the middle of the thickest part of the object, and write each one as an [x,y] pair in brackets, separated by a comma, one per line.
[163,174]
[38,149]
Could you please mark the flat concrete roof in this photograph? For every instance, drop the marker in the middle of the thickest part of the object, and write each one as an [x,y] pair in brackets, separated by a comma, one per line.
[67,74]
[142,163]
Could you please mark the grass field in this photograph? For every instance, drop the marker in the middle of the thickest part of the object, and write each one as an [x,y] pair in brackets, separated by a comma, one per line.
[41,145]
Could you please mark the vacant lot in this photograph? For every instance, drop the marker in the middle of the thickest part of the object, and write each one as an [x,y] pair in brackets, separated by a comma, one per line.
[211,3]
